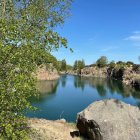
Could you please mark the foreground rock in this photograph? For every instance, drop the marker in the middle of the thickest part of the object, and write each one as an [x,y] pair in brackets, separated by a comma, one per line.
[110,120]
[52,130]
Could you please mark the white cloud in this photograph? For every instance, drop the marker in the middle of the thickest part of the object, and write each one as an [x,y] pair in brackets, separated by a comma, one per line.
[109,48]
[136,32]
[135,37]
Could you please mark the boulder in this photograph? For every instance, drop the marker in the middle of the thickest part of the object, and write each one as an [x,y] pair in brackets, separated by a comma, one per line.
[109,119]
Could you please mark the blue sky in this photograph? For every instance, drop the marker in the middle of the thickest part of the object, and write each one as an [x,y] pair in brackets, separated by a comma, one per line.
[102,27]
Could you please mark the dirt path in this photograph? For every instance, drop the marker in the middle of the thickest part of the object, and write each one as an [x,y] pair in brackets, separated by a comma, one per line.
[52,130]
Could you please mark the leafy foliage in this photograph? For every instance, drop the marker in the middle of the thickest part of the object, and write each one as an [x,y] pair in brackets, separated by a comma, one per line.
[26,37]
[136,68]
[129,63]
[112,64]
[79,64]
[75,65]
[45,58]
[69,67]
[63,65]
[102,61]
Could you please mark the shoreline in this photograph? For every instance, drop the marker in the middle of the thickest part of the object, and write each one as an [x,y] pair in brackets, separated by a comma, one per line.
[129,77]
[107,116]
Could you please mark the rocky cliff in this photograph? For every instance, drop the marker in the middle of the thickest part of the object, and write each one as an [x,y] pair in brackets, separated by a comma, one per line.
[127,75]
[131,77]
[47,73]
[94,71]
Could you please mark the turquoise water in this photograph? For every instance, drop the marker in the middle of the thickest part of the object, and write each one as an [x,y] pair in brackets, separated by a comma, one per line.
[65,97]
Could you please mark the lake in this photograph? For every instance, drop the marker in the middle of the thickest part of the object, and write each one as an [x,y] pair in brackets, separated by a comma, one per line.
[65,97]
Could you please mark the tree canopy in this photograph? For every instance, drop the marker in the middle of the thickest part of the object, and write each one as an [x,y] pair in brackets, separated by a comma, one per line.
[26,33]
[63,66]
[79,64]
[102,61]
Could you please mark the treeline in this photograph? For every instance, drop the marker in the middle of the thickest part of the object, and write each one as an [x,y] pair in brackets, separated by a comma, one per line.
[63,66]
[103,62]
[100,63]
[78,65]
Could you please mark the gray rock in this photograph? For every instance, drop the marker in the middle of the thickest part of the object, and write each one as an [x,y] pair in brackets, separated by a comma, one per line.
[62,120]
[89,129]
[112,119]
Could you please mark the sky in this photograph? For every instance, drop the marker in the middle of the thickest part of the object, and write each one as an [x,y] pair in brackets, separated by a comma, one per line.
[98,28]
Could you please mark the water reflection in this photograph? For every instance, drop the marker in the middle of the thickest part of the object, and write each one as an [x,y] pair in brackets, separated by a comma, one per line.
[63,80]
[79,92]
[103,85]
[47,87]
[78,82]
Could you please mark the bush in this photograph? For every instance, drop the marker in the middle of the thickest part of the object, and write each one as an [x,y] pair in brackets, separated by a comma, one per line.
[136,68]
[129,63]
[79,64]
[112,64]
[102,61]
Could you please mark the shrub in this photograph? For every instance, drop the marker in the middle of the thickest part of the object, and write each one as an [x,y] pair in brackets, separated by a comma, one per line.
[102,61]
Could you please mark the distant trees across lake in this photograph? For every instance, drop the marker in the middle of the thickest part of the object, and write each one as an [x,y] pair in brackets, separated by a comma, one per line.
[100,63]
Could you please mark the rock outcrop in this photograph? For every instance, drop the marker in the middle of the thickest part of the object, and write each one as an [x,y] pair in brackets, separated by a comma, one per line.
[94,71]
[47,73]
[109,120]
[127,75]
[131,77]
